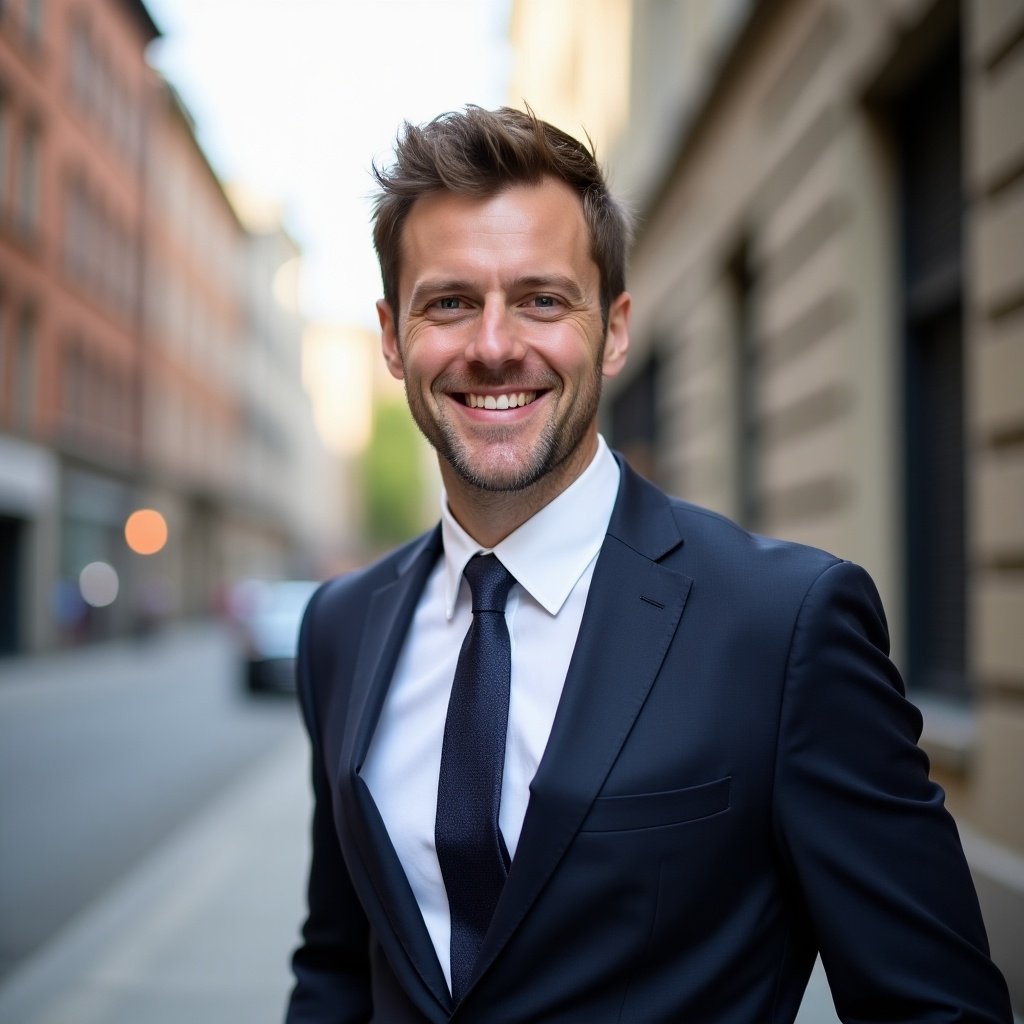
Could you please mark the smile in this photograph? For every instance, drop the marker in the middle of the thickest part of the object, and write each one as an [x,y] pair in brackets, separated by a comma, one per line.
[513,401]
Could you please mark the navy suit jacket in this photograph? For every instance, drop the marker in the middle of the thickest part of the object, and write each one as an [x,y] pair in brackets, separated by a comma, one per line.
[732,783]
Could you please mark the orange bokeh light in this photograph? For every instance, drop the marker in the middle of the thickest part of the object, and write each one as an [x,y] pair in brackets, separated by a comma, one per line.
[145,531]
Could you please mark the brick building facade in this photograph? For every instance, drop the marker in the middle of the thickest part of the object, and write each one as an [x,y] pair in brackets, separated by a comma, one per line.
[127,337]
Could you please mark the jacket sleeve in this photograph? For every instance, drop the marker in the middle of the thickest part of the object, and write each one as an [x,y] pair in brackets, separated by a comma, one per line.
[865,832]
[331,965]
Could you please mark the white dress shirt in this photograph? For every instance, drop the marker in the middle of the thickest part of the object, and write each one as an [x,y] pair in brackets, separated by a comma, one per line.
[552,557]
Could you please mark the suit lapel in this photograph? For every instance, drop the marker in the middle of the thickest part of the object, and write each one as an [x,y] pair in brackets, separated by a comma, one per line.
[632,612]
[388,617]
[387,621]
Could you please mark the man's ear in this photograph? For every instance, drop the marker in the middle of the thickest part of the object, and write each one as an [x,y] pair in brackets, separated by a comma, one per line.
[389,339]
[616,341]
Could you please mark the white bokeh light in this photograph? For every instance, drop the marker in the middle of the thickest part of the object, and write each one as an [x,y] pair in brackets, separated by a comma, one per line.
[99,584]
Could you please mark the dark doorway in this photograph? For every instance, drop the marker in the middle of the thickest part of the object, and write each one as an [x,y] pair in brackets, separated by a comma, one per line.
[11,538]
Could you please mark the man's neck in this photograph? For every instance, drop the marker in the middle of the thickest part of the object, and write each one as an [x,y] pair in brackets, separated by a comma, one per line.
[490,516]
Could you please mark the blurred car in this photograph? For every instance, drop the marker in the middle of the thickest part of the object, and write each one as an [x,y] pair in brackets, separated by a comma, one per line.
[267,615]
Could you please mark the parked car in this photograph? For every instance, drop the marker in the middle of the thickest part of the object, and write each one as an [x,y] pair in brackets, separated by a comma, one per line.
[267,615]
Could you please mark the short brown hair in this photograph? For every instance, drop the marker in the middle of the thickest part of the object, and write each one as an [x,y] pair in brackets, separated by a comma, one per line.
[479,152]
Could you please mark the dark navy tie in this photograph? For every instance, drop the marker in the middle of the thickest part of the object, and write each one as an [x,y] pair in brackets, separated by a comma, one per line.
[470,849]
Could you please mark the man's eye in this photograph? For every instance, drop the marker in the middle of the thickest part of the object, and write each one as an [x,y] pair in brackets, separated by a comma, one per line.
[449,302]
[545,301]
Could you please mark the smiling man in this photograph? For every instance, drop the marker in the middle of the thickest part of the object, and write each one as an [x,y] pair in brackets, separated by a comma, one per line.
[585,752]
[498,332]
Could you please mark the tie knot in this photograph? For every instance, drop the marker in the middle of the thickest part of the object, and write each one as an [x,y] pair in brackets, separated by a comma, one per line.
[489,582]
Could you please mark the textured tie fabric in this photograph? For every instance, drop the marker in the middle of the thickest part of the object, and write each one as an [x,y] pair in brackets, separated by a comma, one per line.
[470,849]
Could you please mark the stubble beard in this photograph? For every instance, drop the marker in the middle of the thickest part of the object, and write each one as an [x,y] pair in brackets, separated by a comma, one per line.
[508,469]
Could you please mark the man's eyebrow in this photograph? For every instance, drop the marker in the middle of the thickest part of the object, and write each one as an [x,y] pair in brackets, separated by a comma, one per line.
[432,289]
[568,286]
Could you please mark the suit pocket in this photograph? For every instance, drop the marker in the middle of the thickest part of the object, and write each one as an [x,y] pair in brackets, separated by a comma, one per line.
[655,810]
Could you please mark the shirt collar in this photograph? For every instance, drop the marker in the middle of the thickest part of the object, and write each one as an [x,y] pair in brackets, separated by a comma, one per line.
[549,553]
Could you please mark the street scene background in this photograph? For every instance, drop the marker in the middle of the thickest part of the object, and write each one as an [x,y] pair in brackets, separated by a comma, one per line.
[196,425]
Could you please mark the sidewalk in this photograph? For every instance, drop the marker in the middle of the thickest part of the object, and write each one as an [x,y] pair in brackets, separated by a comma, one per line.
[202,931]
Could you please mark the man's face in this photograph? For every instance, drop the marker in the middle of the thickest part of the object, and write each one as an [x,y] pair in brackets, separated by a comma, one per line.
[499,335]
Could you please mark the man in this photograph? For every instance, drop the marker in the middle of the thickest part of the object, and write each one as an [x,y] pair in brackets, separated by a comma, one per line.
[706,770]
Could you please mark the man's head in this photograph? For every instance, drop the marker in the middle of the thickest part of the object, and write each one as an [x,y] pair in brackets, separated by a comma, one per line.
[502,255]
[479,153]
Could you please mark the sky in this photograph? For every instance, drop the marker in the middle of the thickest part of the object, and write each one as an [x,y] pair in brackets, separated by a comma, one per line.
[295,98]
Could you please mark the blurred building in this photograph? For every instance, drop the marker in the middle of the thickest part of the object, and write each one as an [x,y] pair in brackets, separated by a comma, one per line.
[291,521]
[150,347]
[828,338]
[574,56]
[194,343]
[73,81]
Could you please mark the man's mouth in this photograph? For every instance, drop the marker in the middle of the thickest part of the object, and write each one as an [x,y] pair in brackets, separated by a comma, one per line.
[503,401]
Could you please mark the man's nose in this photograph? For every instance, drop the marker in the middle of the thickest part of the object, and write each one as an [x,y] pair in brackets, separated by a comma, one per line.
[497,338]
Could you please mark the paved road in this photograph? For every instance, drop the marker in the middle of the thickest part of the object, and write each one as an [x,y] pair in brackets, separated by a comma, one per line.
[103,754]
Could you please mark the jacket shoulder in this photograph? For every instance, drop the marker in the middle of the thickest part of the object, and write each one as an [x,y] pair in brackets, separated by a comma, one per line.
[336,615]
[713,537]
[704,544]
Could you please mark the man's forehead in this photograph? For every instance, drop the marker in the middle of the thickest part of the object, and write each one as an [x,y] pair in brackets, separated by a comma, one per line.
[522,219]
[548,197]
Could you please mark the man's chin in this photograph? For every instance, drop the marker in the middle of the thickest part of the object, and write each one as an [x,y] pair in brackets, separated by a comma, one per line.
[500,473]
[503,481]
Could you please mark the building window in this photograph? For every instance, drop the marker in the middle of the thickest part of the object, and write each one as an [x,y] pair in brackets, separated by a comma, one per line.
[73,384]
[634,417]
[100,87]
[5,148]
[928,129]
[27,202]
[35,15]
[69,383]
[81,59]
[25,371]
[76,226]
[99,248]
[70,223]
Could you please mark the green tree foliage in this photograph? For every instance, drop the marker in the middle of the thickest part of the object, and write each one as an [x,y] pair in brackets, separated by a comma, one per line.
[392,477]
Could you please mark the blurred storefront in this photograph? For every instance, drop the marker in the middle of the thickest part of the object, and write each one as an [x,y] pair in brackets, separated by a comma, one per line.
[29,479]
[828,340]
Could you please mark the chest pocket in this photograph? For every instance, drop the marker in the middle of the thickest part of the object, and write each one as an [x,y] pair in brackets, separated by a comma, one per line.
[657,810]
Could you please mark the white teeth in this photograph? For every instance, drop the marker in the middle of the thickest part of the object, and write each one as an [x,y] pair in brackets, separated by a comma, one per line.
[513,401]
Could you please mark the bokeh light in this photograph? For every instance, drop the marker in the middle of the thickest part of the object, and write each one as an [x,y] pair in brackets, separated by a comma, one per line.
[99,584]
[146,531]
